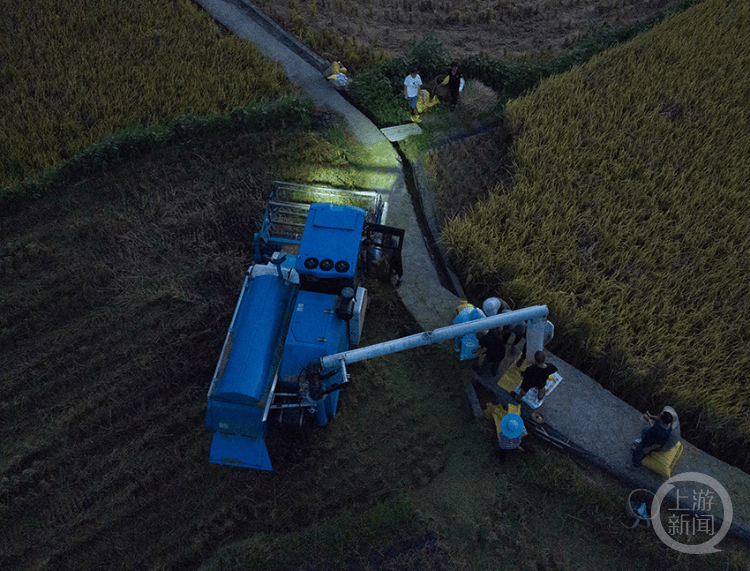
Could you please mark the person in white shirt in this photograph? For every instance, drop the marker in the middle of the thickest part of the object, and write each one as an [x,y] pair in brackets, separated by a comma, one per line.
[412,87]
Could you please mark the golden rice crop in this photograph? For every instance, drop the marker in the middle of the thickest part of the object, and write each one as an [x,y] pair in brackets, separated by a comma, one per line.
[628,215]
[73,71]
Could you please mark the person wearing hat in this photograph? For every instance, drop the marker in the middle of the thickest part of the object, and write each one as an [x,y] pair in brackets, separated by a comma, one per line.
[412,87]
[512,431]
[494,305]
[512,334]
[662,433]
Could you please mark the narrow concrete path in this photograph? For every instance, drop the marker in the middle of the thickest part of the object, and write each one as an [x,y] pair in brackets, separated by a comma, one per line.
[580,409]
[420,291]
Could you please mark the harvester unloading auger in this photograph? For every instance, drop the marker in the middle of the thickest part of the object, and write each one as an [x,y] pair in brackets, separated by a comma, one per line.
[300,312]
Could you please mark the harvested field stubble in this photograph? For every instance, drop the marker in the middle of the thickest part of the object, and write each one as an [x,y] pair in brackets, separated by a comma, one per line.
[628,218]
[497,27]
[116,293]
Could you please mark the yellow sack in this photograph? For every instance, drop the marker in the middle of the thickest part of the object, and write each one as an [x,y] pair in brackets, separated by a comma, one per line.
[663,462]
[496,412]
[338,68]
[512,377]
[425,102]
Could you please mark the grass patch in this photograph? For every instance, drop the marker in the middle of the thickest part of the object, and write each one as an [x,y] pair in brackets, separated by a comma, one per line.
[476,113]
[348,537]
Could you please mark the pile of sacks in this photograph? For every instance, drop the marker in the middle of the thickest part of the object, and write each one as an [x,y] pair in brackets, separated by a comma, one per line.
[336,74]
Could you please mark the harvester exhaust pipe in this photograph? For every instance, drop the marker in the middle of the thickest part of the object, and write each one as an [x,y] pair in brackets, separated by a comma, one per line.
[277,263]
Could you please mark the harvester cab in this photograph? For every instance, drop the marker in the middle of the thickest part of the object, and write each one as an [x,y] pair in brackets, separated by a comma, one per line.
[300,301]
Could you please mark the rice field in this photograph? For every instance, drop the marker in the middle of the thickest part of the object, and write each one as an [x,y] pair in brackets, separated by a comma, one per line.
[503,28]
[628,218]
[73,72]
[116,289]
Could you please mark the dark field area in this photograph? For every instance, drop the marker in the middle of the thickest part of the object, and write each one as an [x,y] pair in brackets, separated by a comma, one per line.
[498,27]
[116,294]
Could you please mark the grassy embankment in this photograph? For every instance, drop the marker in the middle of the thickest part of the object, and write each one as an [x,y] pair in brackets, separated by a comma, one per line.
[627,217]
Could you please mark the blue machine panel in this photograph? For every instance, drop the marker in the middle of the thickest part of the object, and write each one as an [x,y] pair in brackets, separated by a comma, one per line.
[230,418]
[335,217]
[250,357]
[240,451]
[330,242]
[315,331]
[254,338]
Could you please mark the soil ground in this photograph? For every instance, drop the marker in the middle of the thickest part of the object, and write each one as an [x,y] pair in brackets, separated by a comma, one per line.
[117,292]
[500,28]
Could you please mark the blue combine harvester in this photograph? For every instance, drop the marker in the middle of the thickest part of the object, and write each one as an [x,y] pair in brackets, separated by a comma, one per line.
[301,310]
[299,302]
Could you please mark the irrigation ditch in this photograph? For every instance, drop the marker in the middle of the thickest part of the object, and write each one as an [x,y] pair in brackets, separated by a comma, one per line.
[420,193]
